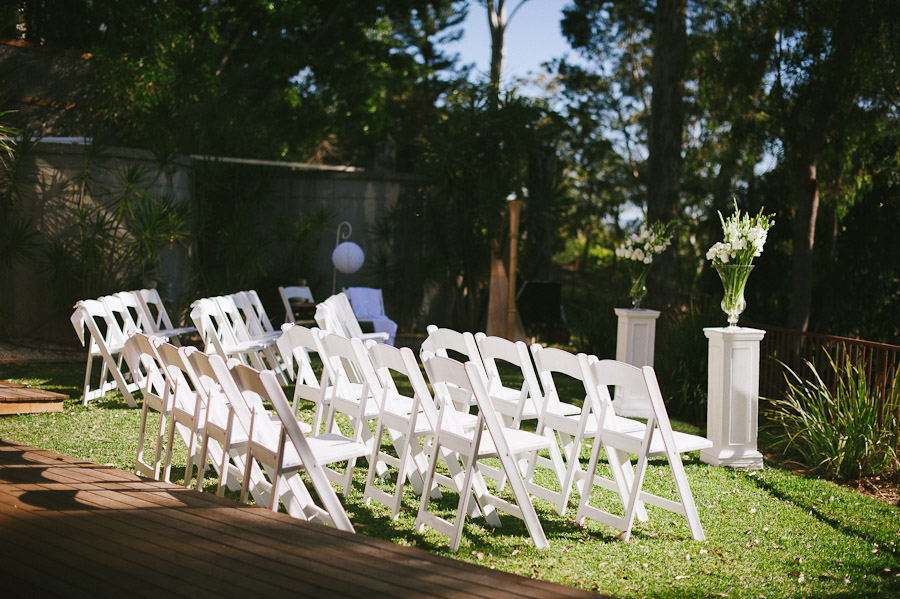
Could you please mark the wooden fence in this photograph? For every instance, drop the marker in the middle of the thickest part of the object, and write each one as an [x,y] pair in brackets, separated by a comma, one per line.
[791,348]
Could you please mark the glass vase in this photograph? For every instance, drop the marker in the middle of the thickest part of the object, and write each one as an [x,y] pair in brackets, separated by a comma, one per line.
[638,272]
[734,280]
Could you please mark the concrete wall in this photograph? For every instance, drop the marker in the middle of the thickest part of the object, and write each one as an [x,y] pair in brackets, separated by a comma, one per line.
[27,290]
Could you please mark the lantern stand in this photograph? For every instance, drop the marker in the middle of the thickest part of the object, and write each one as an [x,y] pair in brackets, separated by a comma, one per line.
[347,257]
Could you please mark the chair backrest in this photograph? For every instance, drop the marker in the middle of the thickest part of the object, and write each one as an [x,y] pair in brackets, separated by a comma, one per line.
[255,316]
[498,349]
[293,292]
[295,345]
[607,374]
[366,302]
[131,302]
[142,352]
[103,328]
[234,317]
[206,378]
[440,341]
[187,395]
[154,308]
[344,362]
[392,364]
[452,394]
[552,360]
[214,329]
[118,312]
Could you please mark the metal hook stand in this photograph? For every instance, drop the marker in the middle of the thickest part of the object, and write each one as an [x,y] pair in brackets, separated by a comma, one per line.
[338,237]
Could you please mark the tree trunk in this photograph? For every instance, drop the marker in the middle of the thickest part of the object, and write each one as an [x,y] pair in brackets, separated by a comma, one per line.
[803,235]
[665,132]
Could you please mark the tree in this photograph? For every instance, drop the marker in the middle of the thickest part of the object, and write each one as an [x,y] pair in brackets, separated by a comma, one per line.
[300,80]
[497,23]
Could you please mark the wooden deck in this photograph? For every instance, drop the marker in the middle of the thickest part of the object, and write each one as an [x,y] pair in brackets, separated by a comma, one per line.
[72,528]
[19,399]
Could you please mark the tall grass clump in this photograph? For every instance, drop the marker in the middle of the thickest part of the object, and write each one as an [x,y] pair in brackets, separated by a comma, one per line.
[845,434]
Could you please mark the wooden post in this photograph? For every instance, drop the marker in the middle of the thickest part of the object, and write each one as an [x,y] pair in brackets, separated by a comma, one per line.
[514,207]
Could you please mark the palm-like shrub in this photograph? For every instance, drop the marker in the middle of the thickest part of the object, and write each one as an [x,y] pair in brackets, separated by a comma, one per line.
[847,433]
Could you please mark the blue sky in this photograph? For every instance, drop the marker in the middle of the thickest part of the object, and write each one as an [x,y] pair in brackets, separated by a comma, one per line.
[532,37]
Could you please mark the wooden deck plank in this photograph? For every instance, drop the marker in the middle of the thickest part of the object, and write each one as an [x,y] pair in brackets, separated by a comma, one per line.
[19,399]
[438,571]
[95,528]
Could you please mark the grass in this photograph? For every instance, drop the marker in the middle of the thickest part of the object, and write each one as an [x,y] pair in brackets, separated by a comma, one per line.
[769,534]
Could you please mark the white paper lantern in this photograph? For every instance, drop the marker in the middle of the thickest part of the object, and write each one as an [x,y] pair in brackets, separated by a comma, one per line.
[348,257]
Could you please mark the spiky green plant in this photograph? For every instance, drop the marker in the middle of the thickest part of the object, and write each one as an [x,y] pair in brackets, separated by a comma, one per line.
[846,433]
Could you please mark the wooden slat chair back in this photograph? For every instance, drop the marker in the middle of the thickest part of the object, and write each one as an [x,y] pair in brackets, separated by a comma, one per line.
[655,440]
[293,292]
[285,449]
[106,341]
[490,438]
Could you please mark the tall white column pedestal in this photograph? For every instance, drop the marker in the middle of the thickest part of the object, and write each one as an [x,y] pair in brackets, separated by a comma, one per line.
[732,417]
[635,340]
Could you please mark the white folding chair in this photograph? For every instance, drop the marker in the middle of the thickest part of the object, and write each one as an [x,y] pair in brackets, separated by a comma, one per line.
[368,306]
[301,293]
[257,321]
[335,315]
[515,401]
[453,344]
[410,420]
[285,450]
[351,396]
[141,351]
[188,409]
[159,322]
[488,439]
[655,439]
[295,346]
[566,423]
[225,333]
[107,342]
[226,428]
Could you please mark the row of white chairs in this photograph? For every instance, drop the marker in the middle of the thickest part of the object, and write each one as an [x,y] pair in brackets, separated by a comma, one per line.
[217,408]
[360,380]
[568,424]
[237,326]
[106,320]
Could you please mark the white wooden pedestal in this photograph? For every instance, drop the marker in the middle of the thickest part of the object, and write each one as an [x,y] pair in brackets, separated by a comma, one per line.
[732,417]
[635,340]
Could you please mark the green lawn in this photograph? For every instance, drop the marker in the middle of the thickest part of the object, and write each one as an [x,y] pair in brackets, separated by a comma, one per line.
[769,533]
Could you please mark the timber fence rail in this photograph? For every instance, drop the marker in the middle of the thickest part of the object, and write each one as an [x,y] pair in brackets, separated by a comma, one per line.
[787,347]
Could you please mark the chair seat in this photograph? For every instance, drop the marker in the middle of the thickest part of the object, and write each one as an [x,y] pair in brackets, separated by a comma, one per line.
[519,441]
[328,449]
[166,333]
[684,442]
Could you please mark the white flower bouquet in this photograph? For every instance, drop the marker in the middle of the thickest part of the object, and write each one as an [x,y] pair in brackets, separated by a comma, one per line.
[745,237]
[638,251]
